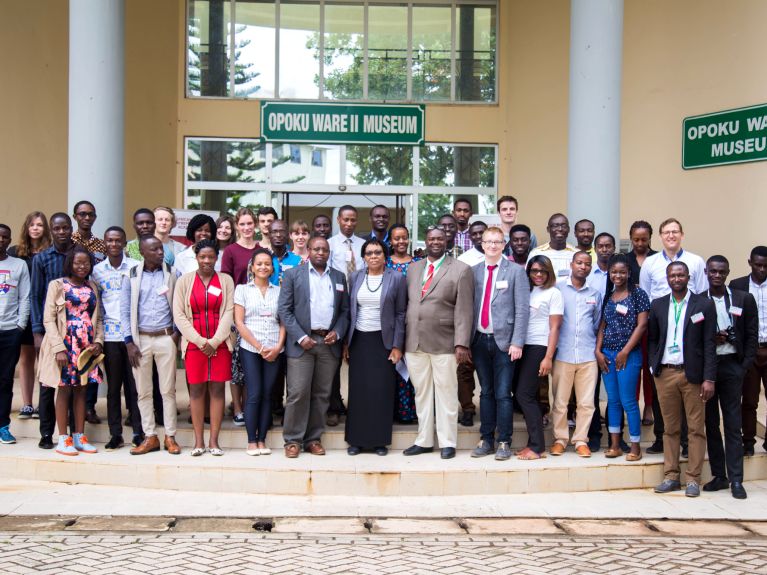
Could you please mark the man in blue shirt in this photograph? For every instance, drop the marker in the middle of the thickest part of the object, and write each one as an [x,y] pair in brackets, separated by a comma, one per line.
[575,365]
[282,258]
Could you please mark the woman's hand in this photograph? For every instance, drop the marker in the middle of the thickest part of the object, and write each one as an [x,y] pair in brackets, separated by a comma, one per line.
[602,362]
[61,359]
[621,359]
[346,353]
[395,355]
[545,368]
[96,349]
[208,349]
[270,353]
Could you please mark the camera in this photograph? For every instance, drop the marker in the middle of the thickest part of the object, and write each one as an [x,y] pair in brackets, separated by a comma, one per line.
[729,335]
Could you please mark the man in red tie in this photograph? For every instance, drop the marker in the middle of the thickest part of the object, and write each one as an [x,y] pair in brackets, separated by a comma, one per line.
[439,327]
[501,312]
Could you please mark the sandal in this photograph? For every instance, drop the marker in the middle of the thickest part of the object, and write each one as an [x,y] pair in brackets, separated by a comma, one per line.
[197,451]
[633,456]
[613,453]
[528,454]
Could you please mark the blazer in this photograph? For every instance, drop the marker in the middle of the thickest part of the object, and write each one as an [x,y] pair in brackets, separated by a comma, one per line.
[442,319]
[509,306]
[746,325]
[699,347]
[295,313]
[55,323]
[134,277]
[393,307]
[182,313]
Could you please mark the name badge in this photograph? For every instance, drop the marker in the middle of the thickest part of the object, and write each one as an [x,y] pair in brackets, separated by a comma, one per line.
[162,291]
[339,287]
[265,313]
[697,318]
[591,301]
[563,273]
[285,266]
[621,309]
[502,284]
[674,348]
[736,311]
[349,256]
[214,291]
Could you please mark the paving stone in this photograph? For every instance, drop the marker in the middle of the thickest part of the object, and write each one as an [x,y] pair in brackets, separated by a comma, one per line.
[109,523]
[319,526]
[521,526]
[606,527]
[213,525]
[419,526]
[34,523]
[699,528]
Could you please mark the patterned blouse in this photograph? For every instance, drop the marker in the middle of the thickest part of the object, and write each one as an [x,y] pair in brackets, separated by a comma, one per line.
[401,268]
[620,324]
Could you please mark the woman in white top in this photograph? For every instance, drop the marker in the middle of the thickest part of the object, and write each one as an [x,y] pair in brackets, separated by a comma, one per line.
[262,341]
[546,312]
[200,227]
[165,220]
[373,347]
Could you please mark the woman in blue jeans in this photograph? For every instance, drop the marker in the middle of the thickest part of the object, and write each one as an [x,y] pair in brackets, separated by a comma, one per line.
[619,353]
[263,339]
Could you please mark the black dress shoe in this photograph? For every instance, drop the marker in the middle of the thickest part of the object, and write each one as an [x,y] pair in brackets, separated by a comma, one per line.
[656,447]
[115,442]
[353,450]
[748,451]
[467,419]
[382,451]
[716,484]
[46,442]
[417,450]
[738,491]
[91,417]
[685,452]
[447,453]
[138,439]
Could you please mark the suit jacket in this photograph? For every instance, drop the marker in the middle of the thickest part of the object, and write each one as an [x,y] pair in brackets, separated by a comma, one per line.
[741,283]
[509,306]
[699,347]
[746,325]
[442,319]
[295,313]
[393,307]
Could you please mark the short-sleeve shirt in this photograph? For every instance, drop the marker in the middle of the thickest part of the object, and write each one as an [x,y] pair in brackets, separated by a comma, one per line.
[543,303]
[260,313]
[619,326]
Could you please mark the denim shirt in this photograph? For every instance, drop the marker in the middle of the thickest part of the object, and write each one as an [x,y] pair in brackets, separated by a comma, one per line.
[578,334]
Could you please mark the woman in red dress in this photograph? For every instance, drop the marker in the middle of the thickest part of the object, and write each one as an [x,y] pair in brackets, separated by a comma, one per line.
[202,309]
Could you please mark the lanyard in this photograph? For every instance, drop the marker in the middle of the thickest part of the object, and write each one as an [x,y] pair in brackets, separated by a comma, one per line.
[677,314]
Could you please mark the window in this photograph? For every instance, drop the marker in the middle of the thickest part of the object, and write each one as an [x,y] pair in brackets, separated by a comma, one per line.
[363,50]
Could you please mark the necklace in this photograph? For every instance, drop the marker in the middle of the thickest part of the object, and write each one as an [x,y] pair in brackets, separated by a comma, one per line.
[367,283]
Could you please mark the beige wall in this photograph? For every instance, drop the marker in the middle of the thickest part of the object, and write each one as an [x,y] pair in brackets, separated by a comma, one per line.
[685,58]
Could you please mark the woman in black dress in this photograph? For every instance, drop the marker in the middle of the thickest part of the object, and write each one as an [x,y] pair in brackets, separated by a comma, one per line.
[373,347]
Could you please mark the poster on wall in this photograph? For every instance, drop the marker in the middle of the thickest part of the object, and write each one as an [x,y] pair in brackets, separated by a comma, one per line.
[183,217]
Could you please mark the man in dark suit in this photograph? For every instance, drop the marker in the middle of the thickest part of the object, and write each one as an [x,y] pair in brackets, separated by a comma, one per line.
[314,307]
[756,284]
[683,360]
[736,340]
[501,311]
[438,336]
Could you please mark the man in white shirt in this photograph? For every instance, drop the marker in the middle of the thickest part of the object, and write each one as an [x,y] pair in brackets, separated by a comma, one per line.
[557,249]
[475,255]
[652,278]
[109,276]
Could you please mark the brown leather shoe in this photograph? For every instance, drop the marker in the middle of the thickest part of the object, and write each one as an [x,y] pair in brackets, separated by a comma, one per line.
[171,446]
[292,450]
[150,443]
[557,449]
[583,451]
[91,417]
[315,448]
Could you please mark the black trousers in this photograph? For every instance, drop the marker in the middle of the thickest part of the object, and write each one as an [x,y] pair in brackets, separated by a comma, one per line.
[526,394]
[120,376]
[336,404]
[10,349]
[727,394]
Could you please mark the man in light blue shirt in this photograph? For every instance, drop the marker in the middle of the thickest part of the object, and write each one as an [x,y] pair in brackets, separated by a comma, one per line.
[282,258]
[575,365]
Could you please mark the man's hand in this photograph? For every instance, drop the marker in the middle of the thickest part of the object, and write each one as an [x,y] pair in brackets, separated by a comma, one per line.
[134,354]
[515,352]
[462,354]
[331,338]
[707,390]
[395,355]
[545,368]
[307,343]
[602,361]
[175,337]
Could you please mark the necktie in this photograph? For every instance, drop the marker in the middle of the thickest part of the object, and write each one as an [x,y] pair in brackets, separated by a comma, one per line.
[427,283]
[484,318]
[351,265]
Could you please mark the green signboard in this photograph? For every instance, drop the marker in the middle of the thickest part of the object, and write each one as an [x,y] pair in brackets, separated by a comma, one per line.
[728,137]
[333,123]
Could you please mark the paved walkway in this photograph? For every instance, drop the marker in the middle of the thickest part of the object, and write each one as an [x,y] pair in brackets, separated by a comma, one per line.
[114,554]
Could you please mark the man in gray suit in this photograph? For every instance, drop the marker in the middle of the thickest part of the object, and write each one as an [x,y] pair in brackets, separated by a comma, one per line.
[501,311]
[438,335]
[314,307]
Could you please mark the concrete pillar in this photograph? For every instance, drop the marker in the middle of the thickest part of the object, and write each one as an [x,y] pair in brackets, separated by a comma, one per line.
[594,155]
[96,108]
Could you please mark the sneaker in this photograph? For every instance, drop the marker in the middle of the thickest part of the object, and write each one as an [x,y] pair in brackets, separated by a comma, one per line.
[6,436]
[26,412]
[693,489]
[571,423]
[66,445]
[668,486]
[46,442]
[504,451]
[482,449]
[36,414]
[239,419]
[82,444]
[115,442]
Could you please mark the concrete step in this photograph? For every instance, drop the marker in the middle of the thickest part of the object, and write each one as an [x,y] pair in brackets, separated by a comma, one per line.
[339,474]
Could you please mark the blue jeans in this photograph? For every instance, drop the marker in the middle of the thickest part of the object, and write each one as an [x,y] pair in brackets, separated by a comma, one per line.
[260,376]
[495,370]
[621,393]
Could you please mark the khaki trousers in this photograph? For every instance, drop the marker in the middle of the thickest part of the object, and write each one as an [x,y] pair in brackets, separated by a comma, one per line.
[161,350]
[436,397]
[564,378]
[674,392]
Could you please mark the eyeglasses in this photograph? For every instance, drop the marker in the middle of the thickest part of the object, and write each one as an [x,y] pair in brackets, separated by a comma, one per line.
[671,233]
[538,272]
[374,253]
[432,228]
[492,242]
[558,226]
[86,214]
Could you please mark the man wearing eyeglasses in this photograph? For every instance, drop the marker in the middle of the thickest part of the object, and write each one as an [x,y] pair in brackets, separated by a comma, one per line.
[557,249]
[84,214]
[501,312]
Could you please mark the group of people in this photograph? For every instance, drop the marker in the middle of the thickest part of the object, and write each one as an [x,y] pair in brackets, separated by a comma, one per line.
[276,316]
